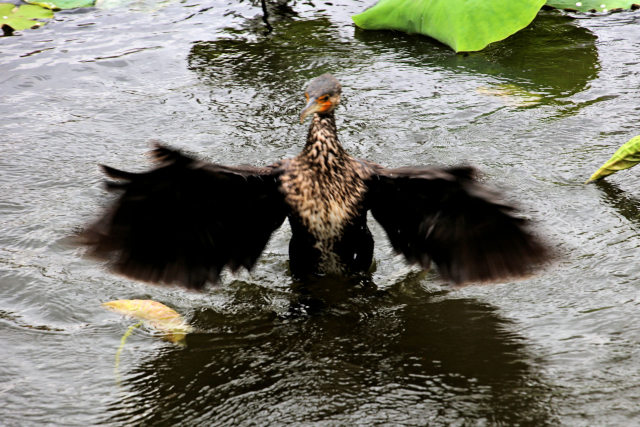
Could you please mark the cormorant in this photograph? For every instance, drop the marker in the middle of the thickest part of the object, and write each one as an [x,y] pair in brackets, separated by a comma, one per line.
[186,220]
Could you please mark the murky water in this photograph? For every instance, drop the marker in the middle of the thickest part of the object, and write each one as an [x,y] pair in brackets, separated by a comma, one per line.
[537,113]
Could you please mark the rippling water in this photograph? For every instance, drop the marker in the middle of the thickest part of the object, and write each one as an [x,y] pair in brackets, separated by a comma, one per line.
[538,113]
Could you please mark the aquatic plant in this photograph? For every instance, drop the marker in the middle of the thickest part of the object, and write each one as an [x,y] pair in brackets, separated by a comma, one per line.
[62,4]
[468,25]
[625,157]
[153,314]
[593,5]
[15,18]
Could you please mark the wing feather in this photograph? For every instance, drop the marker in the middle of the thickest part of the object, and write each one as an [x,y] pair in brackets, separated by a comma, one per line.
[446,216]
[186,220]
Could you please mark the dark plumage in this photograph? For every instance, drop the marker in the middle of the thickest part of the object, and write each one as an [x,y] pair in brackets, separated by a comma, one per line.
[186,220]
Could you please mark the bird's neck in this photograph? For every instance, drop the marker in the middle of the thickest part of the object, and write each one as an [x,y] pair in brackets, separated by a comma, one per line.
[323,145]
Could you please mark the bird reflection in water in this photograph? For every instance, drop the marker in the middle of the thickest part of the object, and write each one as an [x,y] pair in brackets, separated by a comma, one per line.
[401,355]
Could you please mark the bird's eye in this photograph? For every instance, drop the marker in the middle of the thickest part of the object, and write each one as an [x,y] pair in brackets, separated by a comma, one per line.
[323,98]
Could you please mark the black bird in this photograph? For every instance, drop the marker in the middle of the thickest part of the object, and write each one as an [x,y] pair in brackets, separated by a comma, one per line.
[186,220]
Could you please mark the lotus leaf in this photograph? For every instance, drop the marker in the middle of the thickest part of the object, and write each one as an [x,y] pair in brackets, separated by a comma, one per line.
[592,5]
[23,17]
[464,25]
[62,4]
[155,315]
[627,156]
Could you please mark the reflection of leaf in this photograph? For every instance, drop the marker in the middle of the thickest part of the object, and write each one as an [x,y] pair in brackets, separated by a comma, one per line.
[592,5]
[553,56]
[155,315]
[625,204]
[23,17]
[291,52]
[511,94]
[61,4]
[464,25]
[627,156]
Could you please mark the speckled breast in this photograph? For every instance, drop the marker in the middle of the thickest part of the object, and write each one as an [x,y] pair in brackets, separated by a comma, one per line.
[325,200]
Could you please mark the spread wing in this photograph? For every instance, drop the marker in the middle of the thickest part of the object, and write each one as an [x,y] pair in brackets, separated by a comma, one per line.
[186,220]
[446,216]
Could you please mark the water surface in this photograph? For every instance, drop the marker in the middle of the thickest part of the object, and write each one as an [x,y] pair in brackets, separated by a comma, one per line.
[537,113]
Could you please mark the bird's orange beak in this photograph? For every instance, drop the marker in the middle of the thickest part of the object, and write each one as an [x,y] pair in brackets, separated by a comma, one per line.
[315,105]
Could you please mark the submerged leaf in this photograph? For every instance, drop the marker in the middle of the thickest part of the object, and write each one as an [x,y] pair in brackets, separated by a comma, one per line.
[155,315]
[593,5]
[23,17]
[464,25]
[511,94]
[627,156]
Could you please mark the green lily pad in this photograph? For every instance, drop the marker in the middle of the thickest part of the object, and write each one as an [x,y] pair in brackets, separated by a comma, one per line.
[627,156]
[23,17]
[61,4]
[464,25]
[593,5]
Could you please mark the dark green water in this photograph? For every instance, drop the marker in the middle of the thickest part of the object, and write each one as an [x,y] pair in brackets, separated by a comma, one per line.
[537,113]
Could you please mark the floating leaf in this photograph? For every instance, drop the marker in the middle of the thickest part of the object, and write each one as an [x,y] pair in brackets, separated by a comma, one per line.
[593,5]
[23,17]
[464,25]
[627,156]
[62,4]
[155,315]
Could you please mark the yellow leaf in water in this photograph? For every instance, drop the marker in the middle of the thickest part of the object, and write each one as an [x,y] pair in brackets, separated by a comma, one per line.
[153,314]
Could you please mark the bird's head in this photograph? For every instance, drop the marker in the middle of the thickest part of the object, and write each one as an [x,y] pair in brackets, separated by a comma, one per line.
[323,96]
